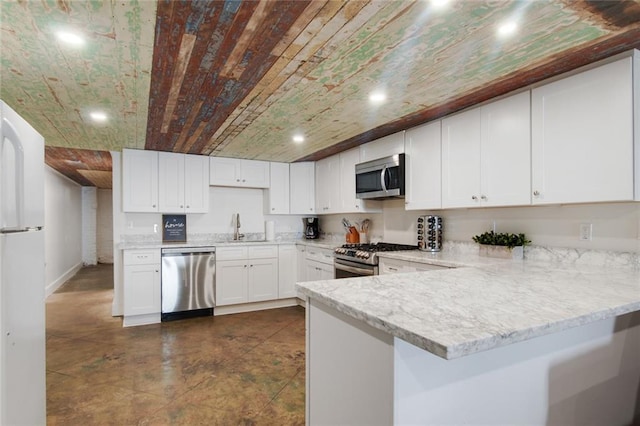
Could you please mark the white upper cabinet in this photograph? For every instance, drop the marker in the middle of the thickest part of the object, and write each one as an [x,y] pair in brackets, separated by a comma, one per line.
[302,198]
[486,155]
[277,197]
[196,179]
[139,181]
[383,147]
[239,173]
[347,188]
[582,137]
[423,175]
[183,183]
[171,182]
[328,185]
[461,159]
[505,176]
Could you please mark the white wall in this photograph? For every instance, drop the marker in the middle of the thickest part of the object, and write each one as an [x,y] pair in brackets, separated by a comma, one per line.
[89,207]
[616,226]
[104,223]
[63,229]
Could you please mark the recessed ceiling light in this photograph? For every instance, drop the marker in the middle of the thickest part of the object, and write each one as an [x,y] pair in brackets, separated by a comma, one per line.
[70,38]
[507,28]
[439,4]
[377,97]
[98,116]
[298,138]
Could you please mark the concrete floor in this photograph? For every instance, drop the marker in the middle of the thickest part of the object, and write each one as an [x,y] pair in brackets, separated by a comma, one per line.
[243,369]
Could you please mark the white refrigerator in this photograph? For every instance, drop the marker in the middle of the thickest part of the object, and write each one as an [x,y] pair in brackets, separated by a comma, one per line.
[22,275]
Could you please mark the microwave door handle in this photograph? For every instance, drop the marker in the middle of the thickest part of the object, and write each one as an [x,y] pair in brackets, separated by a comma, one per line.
[383,175]
[9,133]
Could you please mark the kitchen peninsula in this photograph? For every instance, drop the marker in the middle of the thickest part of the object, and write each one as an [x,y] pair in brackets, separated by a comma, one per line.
[492,342]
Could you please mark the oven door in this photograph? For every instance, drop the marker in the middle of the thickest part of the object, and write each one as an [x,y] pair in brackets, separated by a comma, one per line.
[349,269]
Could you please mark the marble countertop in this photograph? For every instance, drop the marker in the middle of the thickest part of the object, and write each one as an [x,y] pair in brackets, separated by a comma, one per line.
[133,245]
[483,303]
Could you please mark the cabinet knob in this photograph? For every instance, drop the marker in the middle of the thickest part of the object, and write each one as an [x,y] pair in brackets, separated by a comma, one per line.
[484,197]
[237,180]
[273,208]
[181,207]
[311,209]
[157,271]
[474,198]
[187,206]
[245,266]
[536,193]
[243,180]
[154,206]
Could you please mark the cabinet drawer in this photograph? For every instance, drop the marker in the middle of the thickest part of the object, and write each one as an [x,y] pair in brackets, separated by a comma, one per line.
[232,253]
[141,257]
[263,252]
[320,255]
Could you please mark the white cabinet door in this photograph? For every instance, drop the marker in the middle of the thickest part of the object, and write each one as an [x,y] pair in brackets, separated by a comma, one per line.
[171,182]
[196,188]
[287,271]
[505,176]
[582,137]
[423,167]
[486,155]
[461,159]
[224,171]
[263,279]
[255,174]
[277,197]
[383,147]
[326,271]
[328,185]
[141,289]
[302,191]
[231,282]
[301,266]
[139,181]
[348,201]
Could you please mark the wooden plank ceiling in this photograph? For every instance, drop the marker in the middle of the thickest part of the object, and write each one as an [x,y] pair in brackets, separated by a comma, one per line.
[240,78]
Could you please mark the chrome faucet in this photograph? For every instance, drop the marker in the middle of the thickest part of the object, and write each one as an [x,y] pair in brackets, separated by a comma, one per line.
[236,234]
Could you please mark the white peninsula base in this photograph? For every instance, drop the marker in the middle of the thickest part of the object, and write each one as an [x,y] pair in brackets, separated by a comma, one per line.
[357,374]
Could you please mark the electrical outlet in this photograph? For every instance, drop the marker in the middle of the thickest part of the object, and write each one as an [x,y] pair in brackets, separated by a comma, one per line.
[586,231]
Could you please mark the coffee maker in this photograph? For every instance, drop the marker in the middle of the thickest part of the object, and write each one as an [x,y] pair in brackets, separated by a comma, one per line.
[311,228]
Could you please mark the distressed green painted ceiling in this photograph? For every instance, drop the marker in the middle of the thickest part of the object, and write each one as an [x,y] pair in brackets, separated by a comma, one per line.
[238,78]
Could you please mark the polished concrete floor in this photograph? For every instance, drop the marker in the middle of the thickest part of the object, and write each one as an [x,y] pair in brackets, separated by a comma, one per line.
[242,369]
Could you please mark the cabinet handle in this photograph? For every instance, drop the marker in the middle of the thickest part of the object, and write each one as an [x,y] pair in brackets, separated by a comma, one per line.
[536,193]
[392,269]
[484,197]
[474,198]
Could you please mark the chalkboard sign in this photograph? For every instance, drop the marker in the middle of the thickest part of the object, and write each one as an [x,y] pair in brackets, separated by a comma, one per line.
[174,228]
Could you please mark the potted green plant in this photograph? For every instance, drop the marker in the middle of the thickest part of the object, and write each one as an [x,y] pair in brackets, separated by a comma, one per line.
[503,245]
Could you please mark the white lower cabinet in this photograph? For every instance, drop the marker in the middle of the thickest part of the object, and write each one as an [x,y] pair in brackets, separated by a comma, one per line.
[301,263]
[318,264]
[141,282]
[287,271]
[246,274]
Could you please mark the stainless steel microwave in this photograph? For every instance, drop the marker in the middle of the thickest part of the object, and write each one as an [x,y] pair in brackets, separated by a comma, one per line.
[380,179]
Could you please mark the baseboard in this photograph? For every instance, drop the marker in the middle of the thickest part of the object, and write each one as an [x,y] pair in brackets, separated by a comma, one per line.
[144,319]
[51,288]
[255,306]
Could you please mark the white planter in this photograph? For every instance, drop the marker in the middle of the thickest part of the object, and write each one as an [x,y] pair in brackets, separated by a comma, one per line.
[501,252]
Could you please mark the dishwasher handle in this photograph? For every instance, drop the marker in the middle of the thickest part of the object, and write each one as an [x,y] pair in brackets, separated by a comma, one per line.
[187,251]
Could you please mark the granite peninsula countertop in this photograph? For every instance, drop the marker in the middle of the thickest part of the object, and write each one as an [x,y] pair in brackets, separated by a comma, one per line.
[483,303]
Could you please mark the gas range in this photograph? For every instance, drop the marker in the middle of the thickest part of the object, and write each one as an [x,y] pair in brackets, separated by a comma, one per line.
[366,253]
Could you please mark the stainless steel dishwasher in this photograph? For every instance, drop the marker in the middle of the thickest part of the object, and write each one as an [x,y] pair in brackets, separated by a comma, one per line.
[188,282]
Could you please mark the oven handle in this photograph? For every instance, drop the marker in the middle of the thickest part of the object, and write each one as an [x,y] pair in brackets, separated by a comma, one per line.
[359,271]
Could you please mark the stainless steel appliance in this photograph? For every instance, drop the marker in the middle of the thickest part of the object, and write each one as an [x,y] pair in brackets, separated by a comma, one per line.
[22,272]
[188,282]
[311,230]
[359,260]
[380,179]
[430,233]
